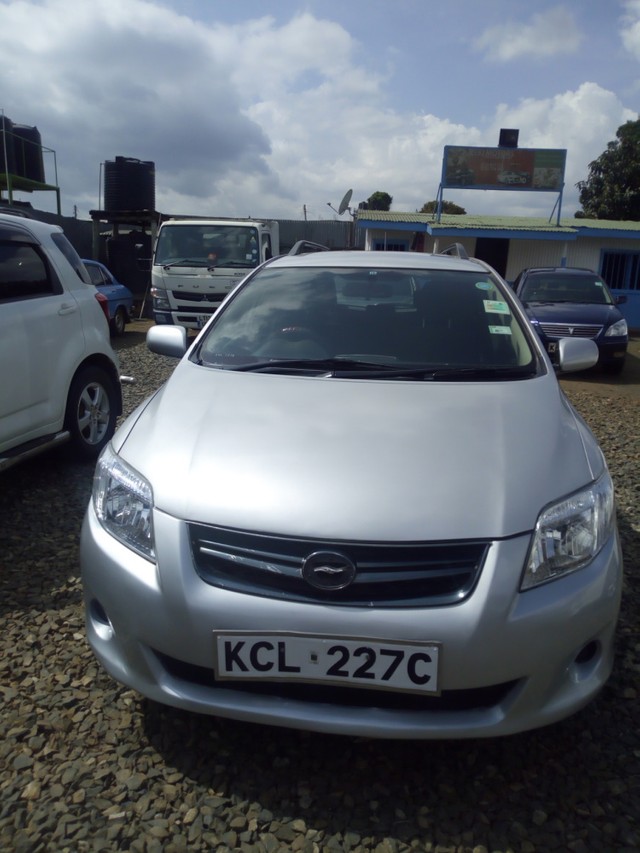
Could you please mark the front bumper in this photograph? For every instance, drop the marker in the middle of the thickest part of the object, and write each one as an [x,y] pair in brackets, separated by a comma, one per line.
[509,661]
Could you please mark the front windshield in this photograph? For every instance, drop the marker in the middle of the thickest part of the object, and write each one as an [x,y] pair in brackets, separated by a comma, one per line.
[367,316]
[206,245]
[573,287]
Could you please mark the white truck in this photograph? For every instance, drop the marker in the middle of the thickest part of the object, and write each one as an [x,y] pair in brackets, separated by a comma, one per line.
[197,262]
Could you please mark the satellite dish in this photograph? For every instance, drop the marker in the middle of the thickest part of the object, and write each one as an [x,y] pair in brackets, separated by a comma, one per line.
[344,204]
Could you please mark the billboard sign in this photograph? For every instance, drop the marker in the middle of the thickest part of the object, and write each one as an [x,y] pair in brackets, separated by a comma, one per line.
[473,168]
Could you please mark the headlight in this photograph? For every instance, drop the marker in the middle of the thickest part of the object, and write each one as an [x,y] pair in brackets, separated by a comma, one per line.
[160,299]
[570,533]
[123,502]
[617,330]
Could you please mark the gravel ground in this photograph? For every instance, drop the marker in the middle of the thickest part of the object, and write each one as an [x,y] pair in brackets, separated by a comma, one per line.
[86,765]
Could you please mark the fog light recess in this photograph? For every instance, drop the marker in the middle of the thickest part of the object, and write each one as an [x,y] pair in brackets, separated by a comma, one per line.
[100,621]
[588,653]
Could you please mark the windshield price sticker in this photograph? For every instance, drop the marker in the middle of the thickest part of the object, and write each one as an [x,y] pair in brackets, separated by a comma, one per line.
[378,664]
[495,306]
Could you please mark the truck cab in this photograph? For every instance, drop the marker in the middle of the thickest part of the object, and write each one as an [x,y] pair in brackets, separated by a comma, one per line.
[197,262]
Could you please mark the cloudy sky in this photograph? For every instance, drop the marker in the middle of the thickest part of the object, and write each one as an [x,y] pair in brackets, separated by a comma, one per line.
[251,108]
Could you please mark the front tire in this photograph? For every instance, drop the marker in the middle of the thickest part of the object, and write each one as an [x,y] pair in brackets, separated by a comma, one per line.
[91,412]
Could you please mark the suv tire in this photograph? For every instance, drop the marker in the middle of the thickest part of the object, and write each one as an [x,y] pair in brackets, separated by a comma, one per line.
[91,412]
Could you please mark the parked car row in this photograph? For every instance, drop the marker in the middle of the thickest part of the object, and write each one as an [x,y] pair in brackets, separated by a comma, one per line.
[324,519]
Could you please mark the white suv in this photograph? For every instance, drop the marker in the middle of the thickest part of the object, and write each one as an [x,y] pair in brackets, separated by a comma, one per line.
[60,376]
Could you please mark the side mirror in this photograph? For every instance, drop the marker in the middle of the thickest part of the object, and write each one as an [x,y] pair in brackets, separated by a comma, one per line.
[576,354]
[620,300]
[167,340]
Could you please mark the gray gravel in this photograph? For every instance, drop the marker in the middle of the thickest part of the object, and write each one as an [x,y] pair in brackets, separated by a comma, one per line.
[86,765]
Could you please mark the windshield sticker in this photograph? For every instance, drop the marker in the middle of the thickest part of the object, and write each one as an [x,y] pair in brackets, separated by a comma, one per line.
[494,306]
[499,330]
[483,285]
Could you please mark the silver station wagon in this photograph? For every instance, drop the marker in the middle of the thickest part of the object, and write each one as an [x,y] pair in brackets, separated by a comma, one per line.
[361,504]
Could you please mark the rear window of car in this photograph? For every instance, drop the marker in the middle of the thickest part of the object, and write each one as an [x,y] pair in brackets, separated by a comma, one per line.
[95,274]
[409,317]
[72,256]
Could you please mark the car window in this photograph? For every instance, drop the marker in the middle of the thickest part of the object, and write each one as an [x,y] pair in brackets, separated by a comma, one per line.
[390,317]
[24,272]
[557,287]
[95,274]
[72,256]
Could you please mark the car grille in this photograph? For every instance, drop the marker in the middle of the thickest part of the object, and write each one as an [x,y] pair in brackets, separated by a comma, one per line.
[470,699]
[388,574]
[570,330]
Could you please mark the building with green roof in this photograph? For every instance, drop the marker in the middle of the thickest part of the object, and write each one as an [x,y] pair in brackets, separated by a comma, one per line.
[511,244]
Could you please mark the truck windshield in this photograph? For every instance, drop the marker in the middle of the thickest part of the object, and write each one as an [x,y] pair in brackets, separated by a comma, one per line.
[207,244]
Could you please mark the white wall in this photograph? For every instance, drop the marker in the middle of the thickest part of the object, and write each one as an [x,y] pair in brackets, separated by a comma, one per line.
[583,252]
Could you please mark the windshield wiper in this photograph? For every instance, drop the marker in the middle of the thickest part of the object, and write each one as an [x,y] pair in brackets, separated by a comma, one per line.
[517,372]
[186,262]
[321,365]
[346,368]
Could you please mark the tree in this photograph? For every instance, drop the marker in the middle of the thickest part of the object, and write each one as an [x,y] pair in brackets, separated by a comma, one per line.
[612,190]
[379,201]
[447,207]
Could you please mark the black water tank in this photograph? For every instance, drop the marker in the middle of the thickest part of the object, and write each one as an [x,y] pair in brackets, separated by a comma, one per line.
[7,156]
[27,146]
[129,184]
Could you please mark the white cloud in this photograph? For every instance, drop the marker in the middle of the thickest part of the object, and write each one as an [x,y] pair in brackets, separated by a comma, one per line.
[127,77]
[546,34]
[630,30]
[259,117]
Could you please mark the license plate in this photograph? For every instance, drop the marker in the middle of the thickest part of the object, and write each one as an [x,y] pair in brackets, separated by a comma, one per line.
[377,664]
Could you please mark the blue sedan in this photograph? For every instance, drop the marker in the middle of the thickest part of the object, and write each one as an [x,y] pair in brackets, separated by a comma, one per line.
[119,297]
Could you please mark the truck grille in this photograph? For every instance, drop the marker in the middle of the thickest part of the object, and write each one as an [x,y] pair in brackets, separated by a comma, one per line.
[570,330]
[195,296]
[388,574]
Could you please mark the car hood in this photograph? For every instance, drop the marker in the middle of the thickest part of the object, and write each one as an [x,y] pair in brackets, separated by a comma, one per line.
[358,459]
[573,312]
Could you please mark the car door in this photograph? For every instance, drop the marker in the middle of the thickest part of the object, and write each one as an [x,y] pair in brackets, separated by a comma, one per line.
[39,321]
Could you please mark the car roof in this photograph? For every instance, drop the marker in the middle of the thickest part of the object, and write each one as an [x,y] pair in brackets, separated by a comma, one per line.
[562,270]
[26,225]
[380,260]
